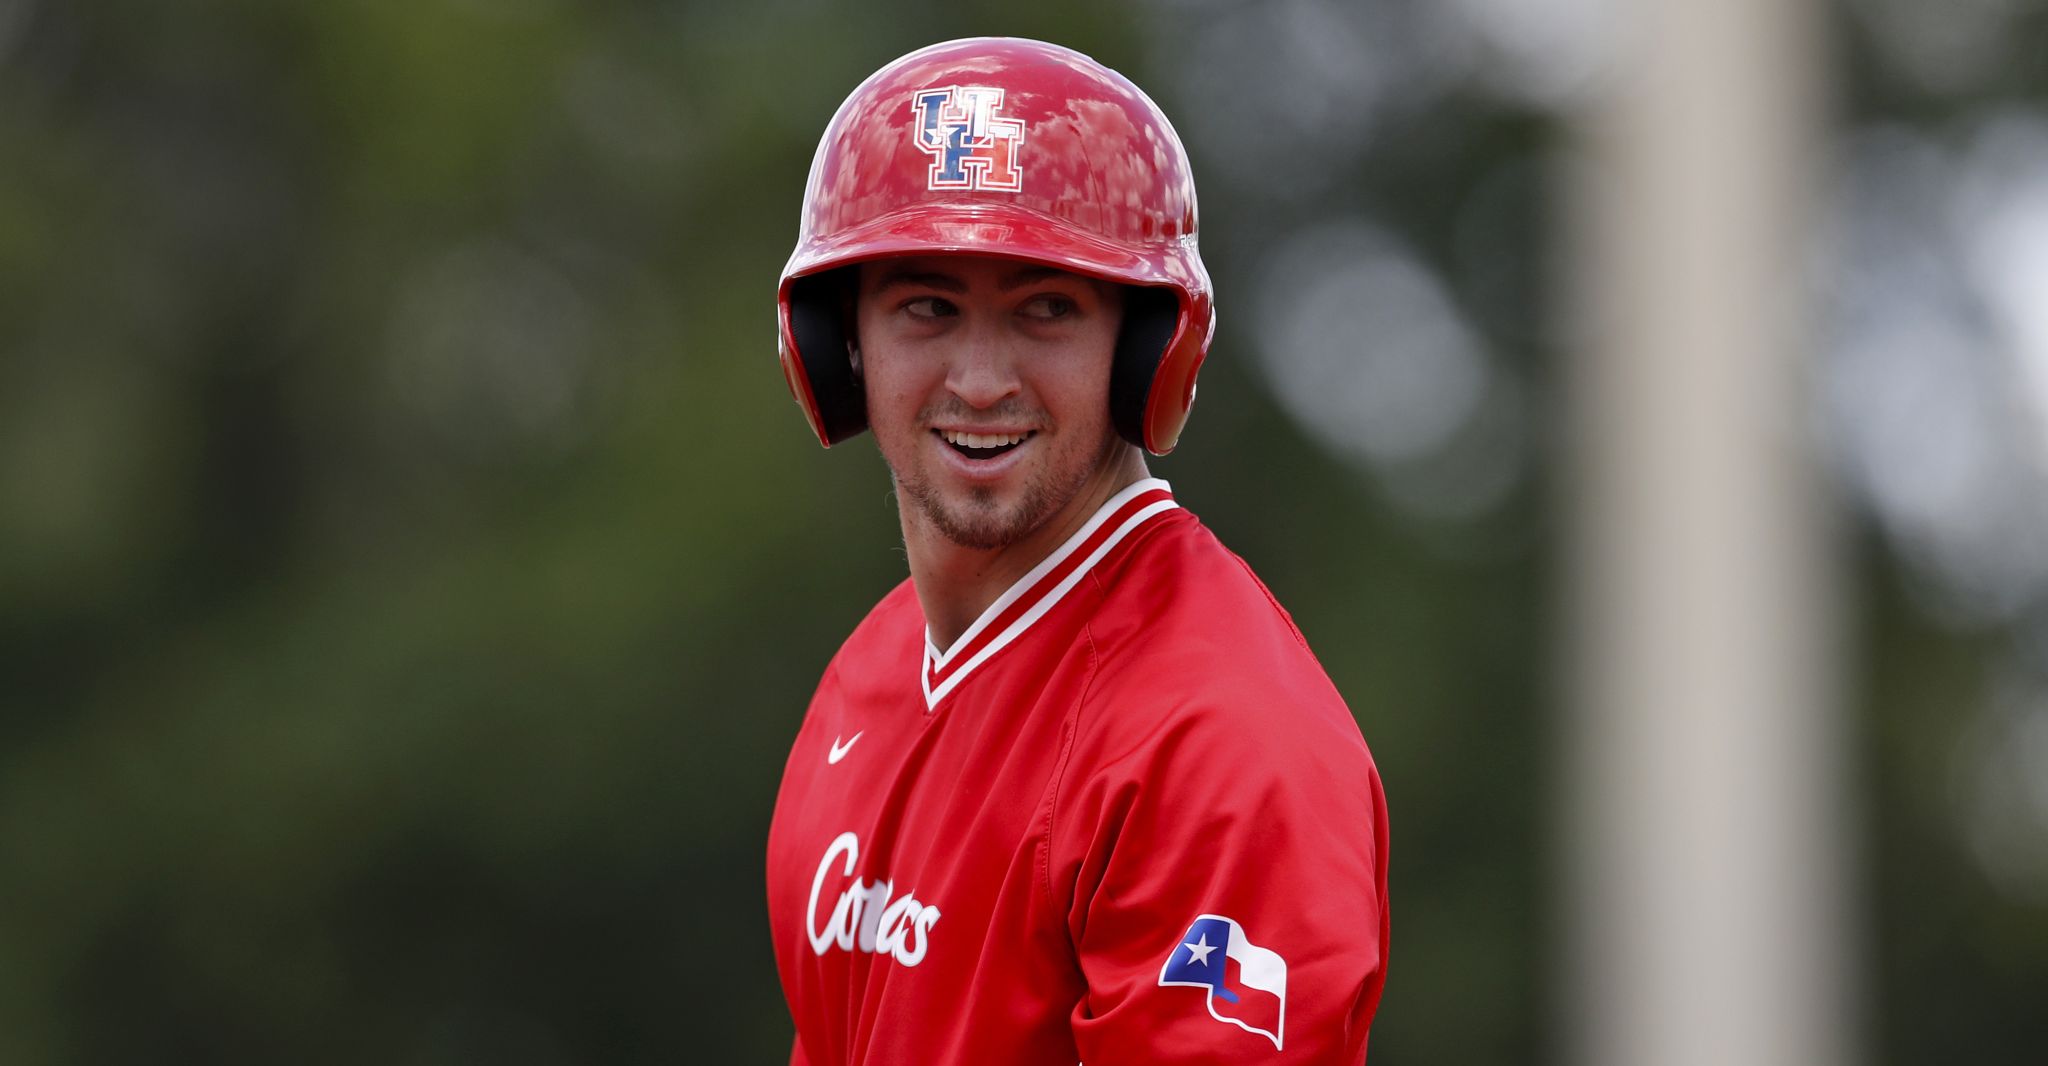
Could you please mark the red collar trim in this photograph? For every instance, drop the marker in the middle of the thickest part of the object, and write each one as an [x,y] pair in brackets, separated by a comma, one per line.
[1036,592]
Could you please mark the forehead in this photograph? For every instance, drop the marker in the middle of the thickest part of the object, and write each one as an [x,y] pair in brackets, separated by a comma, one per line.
[961,273]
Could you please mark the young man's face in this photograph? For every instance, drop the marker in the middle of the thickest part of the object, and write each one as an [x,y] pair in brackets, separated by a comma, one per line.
[988,389]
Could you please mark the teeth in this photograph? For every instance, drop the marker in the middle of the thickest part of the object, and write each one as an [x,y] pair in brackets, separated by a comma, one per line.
[983,440]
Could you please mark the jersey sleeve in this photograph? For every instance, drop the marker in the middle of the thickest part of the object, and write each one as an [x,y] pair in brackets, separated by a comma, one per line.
[1228,891]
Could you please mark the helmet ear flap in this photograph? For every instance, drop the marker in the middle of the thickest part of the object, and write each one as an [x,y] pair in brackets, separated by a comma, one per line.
[819,316]
[1151,319]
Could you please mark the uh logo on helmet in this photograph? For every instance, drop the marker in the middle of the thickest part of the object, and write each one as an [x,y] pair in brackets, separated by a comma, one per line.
[973,148]
[1009,147]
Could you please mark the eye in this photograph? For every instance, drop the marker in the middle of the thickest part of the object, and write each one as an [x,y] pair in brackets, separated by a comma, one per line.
[930,307]
[1050,305]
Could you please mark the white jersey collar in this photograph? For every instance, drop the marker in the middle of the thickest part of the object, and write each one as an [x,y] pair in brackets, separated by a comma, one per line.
[1026,601]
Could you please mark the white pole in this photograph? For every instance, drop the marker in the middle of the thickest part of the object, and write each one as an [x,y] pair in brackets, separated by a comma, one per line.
[1707,915]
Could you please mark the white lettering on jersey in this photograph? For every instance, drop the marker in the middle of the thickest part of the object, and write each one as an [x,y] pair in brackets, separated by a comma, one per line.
[866,918]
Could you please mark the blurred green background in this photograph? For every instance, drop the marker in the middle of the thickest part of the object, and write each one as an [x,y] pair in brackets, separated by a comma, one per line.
[413,570]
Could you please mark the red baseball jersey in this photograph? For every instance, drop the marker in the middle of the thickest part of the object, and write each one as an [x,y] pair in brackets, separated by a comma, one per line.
[1125,818]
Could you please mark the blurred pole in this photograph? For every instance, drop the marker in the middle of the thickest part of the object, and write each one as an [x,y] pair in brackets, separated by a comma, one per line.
[1706,913]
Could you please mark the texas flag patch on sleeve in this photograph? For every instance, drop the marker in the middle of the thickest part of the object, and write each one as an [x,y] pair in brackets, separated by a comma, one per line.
[1245,984]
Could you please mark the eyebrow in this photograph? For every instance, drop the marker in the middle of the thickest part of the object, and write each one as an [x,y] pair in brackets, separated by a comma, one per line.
[1026,276]
[945,282]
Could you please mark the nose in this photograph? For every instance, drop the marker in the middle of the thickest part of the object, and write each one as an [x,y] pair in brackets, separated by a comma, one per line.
[983,372]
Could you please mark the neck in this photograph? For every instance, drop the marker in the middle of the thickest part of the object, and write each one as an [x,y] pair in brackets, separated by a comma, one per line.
[955,584]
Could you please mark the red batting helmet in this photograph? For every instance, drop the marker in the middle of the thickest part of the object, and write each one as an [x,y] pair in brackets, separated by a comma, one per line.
[1009,147]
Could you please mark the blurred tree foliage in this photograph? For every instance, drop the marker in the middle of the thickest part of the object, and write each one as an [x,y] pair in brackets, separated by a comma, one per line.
[412,571]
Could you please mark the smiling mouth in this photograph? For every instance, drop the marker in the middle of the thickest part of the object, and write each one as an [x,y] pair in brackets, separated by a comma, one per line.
[983,445]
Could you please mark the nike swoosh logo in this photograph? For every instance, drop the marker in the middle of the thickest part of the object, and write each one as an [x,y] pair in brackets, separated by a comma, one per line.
[839,750]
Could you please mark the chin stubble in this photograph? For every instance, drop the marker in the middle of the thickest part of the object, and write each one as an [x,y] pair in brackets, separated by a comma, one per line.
[986,527]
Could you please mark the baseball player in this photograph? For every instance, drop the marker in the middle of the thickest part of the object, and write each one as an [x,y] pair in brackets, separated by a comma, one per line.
[1077,791]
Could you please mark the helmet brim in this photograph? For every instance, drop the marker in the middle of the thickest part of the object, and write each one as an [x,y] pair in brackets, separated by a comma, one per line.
[1002,230]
